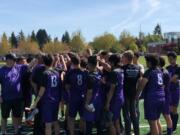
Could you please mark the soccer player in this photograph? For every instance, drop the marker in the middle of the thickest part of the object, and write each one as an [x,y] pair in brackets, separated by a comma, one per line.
[136,62]
[115,97]
[49,95]
[36,77]
[11,97]
[166,110]
[154,95]
[93,100]
[176,76]
[131,77]
[76,85]
[174,89]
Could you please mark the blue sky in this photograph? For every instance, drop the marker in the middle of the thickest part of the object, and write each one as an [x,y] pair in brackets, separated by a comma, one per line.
[92,17]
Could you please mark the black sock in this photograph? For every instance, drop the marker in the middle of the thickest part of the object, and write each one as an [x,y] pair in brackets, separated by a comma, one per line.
[176,116]
[169,131]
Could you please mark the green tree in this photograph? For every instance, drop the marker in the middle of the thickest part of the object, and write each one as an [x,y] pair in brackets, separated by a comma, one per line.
[21,36]
[126,40]
[157,30]
[105,42]
[33,36]
[28,47]
[66,38]
[4,46]
[77,43]
[56,39]
[13,40]
[55,47]
[133,47]
[42,37]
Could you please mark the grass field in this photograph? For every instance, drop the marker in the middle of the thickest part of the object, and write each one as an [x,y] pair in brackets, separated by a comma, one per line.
[143,123]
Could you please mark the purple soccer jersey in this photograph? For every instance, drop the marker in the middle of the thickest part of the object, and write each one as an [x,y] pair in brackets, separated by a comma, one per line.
[174,87]
[10,79]
[166,81]
[154,90]
[95,84]
[117,78]
[154,94]
[77,80]
[52,83]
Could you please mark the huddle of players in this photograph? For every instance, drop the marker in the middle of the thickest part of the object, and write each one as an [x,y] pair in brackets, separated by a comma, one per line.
[97,87]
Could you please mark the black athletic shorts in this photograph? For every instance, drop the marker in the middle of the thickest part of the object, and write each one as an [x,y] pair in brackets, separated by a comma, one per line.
[15,105]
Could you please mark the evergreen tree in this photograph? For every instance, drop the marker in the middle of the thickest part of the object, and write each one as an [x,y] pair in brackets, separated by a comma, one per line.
[13,40]
[66,38]
[42,37]
[157,30]
[33,36]
[21,36]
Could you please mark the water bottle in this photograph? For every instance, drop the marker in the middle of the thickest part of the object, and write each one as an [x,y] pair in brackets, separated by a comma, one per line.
[32,114]
[91,107]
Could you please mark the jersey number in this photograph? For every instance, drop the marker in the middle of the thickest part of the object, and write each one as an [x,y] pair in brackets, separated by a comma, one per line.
[79,80]
[53,81]
[160,80]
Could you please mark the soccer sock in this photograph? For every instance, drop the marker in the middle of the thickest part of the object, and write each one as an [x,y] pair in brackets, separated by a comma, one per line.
[176,116]
[169,131]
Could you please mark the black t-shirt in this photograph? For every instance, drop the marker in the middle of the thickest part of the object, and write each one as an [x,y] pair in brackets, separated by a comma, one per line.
[131,76]
[178,72]
[37,75]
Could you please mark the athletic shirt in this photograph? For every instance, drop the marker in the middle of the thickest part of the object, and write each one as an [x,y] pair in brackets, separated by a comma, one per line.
[37,74]
[131,76]
[172,69]
[166,82]
[117,78]
[77,79]
[94,82]
[53,86]
[10,80]
[154,90]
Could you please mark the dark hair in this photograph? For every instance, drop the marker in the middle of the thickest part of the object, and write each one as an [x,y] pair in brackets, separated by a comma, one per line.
[83,63]
[92,60]
[162,61]
[75,60]
[152,59]
[172,54]
[104,53]
[115,59]
[29,59]
[48,59]
[20,58]
[136,54]
[11,56]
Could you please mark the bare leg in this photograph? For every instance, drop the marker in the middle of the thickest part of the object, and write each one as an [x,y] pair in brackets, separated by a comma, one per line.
[16,123]
[71,125]
[48,129]
[153,127]
[3,125]
[56,127]
[159,126]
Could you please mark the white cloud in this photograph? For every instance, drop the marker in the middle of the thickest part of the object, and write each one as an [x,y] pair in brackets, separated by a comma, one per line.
[150,6]
[135,5]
